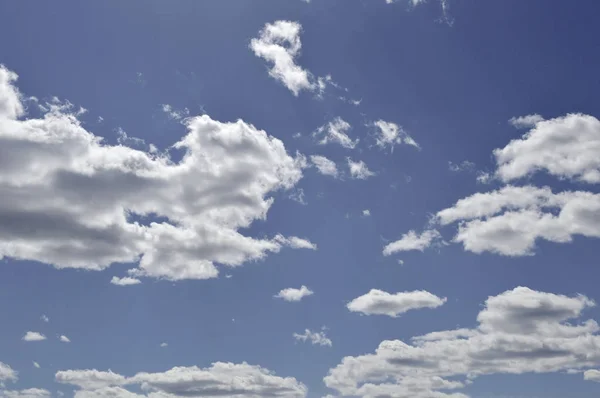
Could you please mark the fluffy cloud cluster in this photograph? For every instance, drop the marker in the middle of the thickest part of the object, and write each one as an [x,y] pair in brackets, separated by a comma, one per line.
[378,302]
[510,220]
[71,200]
[292,294]
[519,331]
[220,379]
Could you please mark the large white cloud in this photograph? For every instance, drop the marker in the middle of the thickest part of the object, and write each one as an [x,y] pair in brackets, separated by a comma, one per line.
[519,331]
[71,200]
[279,44]
[566,147]
[220,379]
[378,302]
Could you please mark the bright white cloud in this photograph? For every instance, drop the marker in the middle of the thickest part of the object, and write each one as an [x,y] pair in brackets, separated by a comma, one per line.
[565,147]
[335,132]
[366,213]
[315,338]
[33,336]
[7,374]
[125,281]
[520,331]
[325,166]
[279,44]
[390,134]
[28,393]
[412,241]
[36,365]
[291,294]
[175,114]
[359,170]
[592,375]
[220,379]
[295,243]
[72,201]
[378,302]
[526,121]
[64,339]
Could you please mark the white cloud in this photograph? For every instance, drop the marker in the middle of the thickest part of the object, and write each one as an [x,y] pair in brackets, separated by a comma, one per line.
[89,379]
[36,365]
[359,169]
[366,213]
[298,196]
[520,331]
[175,114]
[465,165]
[163,345]
[378,302]
[325,166]
[45,318]
[279,44]
[64,339]
[510,220]
[33,336]
[592,375]
[6,372]
[336,132]
[125,281]
[28,393]
[565,147]
[291,294]
[526,121]
[71,201]
[295,243]
[412,241]
[315,338]
[220,379]
[391,134]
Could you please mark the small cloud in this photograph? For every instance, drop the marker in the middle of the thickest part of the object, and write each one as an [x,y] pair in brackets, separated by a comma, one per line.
[391,134]
[401,262]
[359,170]
[465,165]
[316,338]
[175,114]
[45,318]
[125,281]
[298,196]
[64,339]
[294,242]
[228,276]
[324,166]
[366,213]
[36,365]
[100,119]
[335,132]
[33,336]
[163,345]
[291,294]
[527,121]
[413,241]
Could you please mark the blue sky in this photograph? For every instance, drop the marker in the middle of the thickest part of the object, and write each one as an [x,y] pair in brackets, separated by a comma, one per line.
[289,197]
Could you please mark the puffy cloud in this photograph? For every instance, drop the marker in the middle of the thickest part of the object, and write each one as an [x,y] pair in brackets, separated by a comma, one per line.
[64,339]
[366,213]
[378,302]
[71,200]
[592,375]
[526,121]
[508,221]
[315,338]
[390,134]
[565,147]
[359,169]
[325,166]
[28,393]
[7,373]
[412,241]
[336,132]
[279,44]
[33,336]
[291,294]
[125,281]
[221,379]
[520,331]
[89,379]
[163,345]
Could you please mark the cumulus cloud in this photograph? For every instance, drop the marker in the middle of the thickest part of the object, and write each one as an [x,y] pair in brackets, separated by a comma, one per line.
[125,281]
[279,44]
[220,379]
[33,336]
[366,213]
[378,302]
[359,170]
[519,331]
[28,393]
[565,147]
[390,134]
[325,166]
[7,374]
[336,132]
[72,201]
[315,338]
[412,241]
[291,294]
[64,339]
[592,375]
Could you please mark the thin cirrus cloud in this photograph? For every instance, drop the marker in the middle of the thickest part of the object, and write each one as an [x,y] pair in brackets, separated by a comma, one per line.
[56,161]
[33,336]
[315,338]
[219,379]
[378,302]
[291,294]
[519,331]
